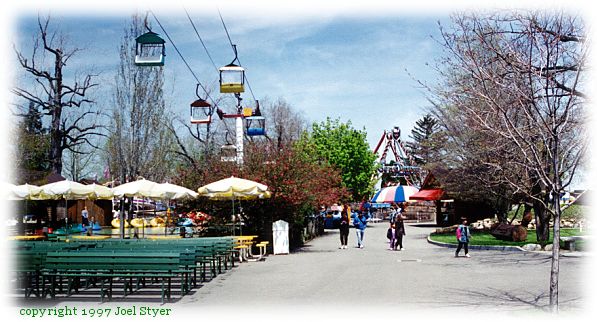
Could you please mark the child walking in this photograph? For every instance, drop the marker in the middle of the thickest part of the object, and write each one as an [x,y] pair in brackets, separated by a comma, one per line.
[463,235]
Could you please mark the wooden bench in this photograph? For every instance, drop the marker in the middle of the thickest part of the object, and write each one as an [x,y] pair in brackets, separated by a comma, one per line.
[105,266]
[570,241]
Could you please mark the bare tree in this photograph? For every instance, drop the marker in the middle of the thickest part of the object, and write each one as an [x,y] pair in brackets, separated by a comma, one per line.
[284,124]
[50,91]
[139,140]
[518,80]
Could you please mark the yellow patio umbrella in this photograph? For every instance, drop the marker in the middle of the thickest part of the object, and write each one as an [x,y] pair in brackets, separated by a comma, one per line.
[234,189]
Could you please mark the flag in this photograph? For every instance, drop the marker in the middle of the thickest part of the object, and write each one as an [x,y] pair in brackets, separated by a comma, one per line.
[107,173]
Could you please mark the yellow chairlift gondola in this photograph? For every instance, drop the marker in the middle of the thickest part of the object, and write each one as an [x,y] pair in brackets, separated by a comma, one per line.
[255,123]
[201,110]
[150,50]
[232,77]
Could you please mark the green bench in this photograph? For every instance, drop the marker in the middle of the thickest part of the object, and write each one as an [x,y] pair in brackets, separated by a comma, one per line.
[105,266]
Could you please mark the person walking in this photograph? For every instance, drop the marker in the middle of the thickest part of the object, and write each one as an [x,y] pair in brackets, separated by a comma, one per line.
[360,223]
[90,227]
[392,235]
[344,227]
[393,213]
[85,216]
[463,235]
[400,231]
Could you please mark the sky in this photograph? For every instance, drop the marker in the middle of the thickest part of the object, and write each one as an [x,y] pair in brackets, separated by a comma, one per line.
[359,62]
[359,68]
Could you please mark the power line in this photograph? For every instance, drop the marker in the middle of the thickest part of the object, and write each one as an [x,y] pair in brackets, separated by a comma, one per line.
[235,53]
[184,60]
[201,40]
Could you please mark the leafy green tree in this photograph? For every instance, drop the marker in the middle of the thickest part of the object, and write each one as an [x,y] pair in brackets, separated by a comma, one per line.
[345,148]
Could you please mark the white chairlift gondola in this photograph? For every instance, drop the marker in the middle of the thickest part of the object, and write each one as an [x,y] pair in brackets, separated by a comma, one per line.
[150,50]
[201,110]
[232,77]
[228,151]
[255,123]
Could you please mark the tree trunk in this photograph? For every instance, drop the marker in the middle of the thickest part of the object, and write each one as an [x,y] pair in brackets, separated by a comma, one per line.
[439,218]
[555,259]
[56,131]
[542,223]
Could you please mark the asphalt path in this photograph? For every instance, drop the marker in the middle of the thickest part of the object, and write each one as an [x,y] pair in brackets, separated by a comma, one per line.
[320,277]
[420,277]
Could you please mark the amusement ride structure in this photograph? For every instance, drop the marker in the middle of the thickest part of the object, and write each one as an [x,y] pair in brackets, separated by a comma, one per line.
[402,169]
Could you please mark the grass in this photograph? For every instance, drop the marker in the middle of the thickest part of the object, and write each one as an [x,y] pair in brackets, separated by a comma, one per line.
[486,239]
[573,212]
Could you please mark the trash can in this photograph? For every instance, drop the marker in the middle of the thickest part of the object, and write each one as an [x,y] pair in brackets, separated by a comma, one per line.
[280,232]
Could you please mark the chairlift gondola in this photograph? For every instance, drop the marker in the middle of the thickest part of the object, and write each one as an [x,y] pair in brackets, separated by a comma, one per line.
[150,50]
[228,151]
[255,125]
[232,77]
[255,122]
[201,110]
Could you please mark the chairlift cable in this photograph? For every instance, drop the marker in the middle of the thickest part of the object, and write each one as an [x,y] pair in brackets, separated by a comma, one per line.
[182,57]
[235,53]
[200,39]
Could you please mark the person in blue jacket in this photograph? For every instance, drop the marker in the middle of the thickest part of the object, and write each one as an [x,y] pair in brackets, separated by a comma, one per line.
[360,223]
[463,235]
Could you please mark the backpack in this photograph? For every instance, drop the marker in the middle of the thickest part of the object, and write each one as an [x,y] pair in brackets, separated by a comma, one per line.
[461,234]
[389,233]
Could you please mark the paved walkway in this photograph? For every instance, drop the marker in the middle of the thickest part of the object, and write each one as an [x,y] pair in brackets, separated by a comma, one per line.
[421,276]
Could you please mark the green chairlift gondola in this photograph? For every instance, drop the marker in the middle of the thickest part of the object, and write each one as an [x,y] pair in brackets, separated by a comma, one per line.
[150,50]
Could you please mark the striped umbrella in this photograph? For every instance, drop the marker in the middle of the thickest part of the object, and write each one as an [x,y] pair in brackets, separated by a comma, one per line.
[394,194]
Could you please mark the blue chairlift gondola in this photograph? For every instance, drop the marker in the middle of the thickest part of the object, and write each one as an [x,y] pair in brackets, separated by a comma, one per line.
[255,125]
[255,122]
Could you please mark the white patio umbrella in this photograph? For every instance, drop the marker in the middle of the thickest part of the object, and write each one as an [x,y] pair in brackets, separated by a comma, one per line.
[234,189]
[67,190]
[101,192]
[174,192]
[24,192]
[139,188]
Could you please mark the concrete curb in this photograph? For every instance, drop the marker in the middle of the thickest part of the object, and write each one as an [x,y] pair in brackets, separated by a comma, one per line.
[477,247]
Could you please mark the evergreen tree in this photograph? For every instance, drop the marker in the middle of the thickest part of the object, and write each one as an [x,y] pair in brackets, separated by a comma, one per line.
[422,148]
[32,148]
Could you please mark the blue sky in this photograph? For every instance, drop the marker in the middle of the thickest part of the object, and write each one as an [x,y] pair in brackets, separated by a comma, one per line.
[341,65]
[350,62]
